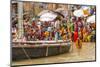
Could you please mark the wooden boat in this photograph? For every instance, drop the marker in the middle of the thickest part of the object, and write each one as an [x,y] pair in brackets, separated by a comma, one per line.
[37,49]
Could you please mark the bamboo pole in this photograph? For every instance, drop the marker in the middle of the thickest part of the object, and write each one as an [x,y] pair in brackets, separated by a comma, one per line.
[20,20]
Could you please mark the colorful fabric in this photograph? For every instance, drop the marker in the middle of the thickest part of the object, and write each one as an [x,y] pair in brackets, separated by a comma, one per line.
[79,44]
[75,36]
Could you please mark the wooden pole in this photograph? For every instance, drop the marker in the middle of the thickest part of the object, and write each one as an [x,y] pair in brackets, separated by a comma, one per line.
[20,20]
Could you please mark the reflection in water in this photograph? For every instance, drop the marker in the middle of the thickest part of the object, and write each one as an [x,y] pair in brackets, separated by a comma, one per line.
[87,53]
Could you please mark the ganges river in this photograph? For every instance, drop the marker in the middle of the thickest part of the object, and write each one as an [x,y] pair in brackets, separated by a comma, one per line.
[87,53]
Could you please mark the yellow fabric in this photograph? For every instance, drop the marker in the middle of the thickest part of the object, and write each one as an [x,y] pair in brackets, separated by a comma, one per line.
[64,37]
[61,31]
[86,12]
[46,33]
[88,37]
[78,43]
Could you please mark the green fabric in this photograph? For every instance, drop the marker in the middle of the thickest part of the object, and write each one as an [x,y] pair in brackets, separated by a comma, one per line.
[71,25]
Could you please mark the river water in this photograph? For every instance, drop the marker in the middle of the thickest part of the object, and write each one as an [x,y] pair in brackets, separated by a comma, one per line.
[87,53]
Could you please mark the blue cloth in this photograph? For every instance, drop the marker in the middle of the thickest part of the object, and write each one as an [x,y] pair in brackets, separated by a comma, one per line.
[56,35]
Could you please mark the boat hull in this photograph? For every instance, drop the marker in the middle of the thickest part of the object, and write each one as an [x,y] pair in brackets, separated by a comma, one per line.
[36,51]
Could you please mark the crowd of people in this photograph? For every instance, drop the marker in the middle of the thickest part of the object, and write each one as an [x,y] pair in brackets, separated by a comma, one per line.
[38,30]
[56,30]
[71,27]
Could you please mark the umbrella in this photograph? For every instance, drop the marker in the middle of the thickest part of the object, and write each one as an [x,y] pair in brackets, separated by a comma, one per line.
[86,10]
[91,19]
[48,16]
[59,14]
[78,13]
[85,7]
[43,12]
[62,11]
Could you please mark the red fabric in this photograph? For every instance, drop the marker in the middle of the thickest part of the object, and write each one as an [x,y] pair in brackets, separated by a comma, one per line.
[75,36]
[76,27]
[33,24]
